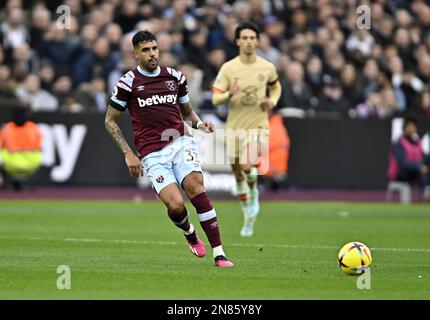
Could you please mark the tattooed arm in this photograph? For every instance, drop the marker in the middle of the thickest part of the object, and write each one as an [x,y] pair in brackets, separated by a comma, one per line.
[111,124]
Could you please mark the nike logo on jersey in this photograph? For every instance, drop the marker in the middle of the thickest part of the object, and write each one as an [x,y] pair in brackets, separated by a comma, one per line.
[156,99]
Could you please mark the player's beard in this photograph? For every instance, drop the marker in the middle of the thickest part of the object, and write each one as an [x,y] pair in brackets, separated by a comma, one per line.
[152,64]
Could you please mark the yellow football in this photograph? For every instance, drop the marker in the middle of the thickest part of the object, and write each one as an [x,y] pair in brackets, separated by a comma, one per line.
[354,258]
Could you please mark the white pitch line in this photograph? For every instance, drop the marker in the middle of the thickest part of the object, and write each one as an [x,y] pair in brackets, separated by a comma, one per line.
[253,245]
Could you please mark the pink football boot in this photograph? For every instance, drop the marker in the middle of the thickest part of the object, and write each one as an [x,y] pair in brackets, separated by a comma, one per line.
[196,245]
[223,262]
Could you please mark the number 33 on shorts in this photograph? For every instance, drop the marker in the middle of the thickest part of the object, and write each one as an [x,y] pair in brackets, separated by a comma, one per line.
[191,156]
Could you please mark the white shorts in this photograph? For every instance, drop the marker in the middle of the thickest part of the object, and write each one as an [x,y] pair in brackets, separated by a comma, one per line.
[172,163]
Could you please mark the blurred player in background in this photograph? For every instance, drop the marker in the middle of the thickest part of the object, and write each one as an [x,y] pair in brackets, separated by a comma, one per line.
[157,100]
[243,82]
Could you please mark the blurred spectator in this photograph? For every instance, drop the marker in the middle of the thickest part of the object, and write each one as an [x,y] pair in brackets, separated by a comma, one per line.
[55,48]
[298,25]
[257,14]
[72,37]
[321,38]
[40,23]
[62,89]
[242,10]
[230,47]
[332,98]
[407,162]
[92,96]
[389,102]
[421,105]
[360,42]
[299,49]
[406,81]
[214,15]
[424,68]
[275,29]
[216,59]
[334,64]
[13,30]
[96,63]
[402,39]
[194,78]
[314,72]
[169,59]
[8,98]
[383,32]
[371,75]
[421,10]
[128,15]
[113,33]
[25,58]
[179,18]
[197,53]
[379,104]
[372,107]
[266,50]
[38,99]
[350,84]
[295,92]
[46,74]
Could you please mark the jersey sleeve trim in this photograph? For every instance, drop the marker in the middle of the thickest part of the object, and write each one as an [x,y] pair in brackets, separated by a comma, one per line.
[271,83]
[184,99]
[118,104]
[217,90]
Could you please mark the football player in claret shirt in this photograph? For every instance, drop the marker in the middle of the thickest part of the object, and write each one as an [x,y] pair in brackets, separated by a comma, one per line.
[157,100]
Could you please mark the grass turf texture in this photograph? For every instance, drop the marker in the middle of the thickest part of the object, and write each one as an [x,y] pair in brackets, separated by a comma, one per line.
[126,250]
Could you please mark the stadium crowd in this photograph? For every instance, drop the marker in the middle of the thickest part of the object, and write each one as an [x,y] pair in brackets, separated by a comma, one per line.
[326,64]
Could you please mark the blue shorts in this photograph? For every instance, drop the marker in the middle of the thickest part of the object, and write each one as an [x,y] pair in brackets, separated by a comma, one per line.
[172,163]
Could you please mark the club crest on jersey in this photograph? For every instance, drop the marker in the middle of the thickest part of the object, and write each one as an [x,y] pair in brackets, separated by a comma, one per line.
[171,85]
[160,179]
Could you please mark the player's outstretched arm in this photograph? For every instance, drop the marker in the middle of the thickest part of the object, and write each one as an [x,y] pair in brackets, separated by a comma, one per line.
[188,114]
[111,124]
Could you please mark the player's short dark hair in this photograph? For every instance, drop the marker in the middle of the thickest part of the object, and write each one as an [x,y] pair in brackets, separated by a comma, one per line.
[246,25]
[409,120]
[142,37]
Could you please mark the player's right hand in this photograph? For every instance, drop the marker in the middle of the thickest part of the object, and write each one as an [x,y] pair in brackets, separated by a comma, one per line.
[233,88]
[133,164]
[206,126]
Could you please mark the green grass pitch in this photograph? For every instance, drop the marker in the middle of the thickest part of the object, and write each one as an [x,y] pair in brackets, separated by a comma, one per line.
[130,250]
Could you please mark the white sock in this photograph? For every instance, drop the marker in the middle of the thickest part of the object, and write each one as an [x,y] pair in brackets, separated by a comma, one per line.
[190,230]
[252,177]
[253,188]
[241,187]
[218,251]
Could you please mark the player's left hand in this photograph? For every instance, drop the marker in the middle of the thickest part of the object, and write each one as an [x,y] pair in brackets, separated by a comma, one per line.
[206,126]
[266,104]
[134,165]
